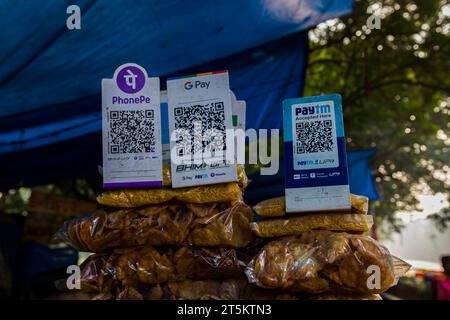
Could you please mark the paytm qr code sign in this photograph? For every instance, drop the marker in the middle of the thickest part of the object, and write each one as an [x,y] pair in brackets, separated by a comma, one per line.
[316,162]
[200,114]
[132,155]
[314,135]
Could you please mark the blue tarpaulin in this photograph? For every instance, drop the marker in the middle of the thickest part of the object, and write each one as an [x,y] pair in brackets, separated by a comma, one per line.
[50,76]
[361,179]
[45,65]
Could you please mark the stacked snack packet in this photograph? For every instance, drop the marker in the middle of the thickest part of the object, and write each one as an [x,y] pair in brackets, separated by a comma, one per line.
[197,243]
[164,243]
[323,255]
[277,223]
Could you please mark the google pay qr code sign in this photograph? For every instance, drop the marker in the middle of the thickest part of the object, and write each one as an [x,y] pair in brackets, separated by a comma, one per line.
[200,116]
[210,115]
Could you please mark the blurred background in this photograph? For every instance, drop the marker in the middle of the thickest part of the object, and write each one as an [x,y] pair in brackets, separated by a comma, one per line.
[388,59]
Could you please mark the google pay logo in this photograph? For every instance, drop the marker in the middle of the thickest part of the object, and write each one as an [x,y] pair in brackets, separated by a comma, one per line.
[188,85]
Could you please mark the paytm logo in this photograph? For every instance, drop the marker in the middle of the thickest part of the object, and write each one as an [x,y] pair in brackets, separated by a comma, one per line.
[320,108]
[305,163]
[315,162]
[188,85]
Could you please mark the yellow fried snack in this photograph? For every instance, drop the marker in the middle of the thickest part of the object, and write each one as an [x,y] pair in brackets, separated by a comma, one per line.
[146,266]
[323,221]
[229,289]
[219,229]
[241,175]
[275,207]
[224,224]
[166,174]
[322,261]
[130,198]
[360,204]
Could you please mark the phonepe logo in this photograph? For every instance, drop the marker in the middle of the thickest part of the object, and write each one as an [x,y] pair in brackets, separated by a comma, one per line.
[317,109]
[188,85]
[130,79]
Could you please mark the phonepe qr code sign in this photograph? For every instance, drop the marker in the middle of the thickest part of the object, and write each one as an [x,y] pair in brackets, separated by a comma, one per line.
[131,127]
[200,114]
[131,131]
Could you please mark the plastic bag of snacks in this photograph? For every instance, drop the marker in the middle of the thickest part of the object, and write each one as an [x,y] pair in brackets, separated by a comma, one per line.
[223,227]
[275,207]
[323,261]
[210,225]
[356,223]
[147,265]
[198,290]
[184,290]
[241,175]
[131,198]
[178,290]
[230,289]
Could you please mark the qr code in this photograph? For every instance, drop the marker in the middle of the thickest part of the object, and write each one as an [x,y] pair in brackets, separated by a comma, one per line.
[314,136]
[131,131]
[200,122]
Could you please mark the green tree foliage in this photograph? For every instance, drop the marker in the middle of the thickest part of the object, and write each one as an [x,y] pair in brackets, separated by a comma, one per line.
[15,200]
[394,84]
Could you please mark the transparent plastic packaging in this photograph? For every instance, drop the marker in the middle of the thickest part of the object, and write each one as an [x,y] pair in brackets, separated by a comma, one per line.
[356,223]
[323,261]
[275,207]
[241,175]
[360,204]
[187,290]
[148,265]
[131,198]
[209,225]
[229,289]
